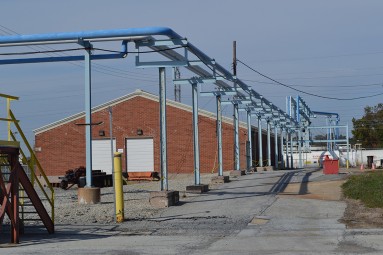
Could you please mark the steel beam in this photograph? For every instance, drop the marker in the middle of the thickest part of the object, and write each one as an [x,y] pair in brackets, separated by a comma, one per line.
[291,152]
[268,144]
[163,140]
[287,149]
[236,137]
[276,153]
[88,117]
[300,165]
[348,148]
[249,147]
[260,152]
[197,180]
[281,150]
[219,135]
[60,59]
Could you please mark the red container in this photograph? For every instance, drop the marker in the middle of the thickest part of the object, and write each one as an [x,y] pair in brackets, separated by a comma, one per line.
[331,166]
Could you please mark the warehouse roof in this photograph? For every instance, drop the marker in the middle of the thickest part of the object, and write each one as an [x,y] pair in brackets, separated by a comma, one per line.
[137,93]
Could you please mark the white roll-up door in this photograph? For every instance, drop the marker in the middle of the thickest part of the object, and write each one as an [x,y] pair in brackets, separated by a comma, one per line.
[101,155]
[139,154]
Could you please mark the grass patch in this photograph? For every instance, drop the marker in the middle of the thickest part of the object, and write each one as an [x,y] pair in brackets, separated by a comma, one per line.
[367,188]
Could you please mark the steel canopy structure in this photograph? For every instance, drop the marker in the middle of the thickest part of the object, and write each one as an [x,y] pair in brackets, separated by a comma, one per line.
[176,51]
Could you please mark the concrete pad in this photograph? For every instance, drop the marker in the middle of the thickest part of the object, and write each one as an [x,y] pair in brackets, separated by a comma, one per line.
[236,173]
[264,168]
[219,179]
[197,188]
[166,198]
[89,195]
[323,190]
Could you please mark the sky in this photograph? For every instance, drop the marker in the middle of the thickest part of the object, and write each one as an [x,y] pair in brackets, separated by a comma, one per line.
[327,48]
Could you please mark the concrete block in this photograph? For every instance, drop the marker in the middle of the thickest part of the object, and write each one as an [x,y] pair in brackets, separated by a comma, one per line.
[236,173]
[89,195]
[197,188]
[219,179]
[265,168]
[162,199]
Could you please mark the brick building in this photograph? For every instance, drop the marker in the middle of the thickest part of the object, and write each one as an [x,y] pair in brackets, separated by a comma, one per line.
[60,145]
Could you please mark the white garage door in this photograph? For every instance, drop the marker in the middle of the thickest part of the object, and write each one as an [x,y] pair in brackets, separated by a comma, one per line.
[101,155]
[139,155]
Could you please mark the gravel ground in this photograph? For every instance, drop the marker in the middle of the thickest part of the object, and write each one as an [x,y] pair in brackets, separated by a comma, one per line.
[136,197]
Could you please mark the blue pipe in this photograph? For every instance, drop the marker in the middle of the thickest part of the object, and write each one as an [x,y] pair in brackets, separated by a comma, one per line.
[59,59]
[131,32]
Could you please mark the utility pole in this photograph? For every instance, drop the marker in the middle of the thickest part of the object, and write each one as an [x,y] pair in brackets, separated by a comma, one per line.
[177,88]
[235,113]
[235,58]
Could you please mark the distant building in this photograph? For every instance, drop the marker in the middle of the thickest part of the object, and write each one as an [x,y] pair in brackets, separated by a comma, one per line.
[60,145]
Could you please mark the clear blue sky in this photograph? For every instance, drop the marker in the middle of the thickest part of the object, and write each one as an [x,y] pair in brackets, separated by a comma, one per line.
[330,47]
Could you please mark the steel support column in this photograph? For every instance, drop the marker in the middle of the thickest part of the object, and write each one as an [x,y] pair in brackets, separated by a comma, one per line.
[300,165]
[268,144]
[260,152]
[195,134]
[276,153]
[163,145]
[287,149]
[249,147]
[348,148]
[282,166]
[291,151]
[219,135]
[15,234]
[88,117]
[236,138]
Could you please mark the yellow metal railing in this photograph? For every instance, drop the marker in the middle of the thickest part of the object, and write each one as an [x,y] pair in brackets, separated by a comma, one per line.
[32,163]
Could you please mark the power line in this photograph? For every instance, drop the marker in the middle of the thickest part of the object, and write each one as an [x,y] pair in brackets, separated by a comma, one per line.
[321,86]
[304,92]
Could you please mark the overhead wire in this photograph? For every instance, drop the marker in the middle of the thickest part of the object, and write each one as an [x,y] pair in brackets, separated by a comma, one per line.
[321,86]
[304,92]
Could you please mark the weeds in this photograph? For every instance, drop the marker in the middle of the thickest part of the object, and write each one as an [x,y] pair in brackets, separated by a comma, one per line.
[367,188]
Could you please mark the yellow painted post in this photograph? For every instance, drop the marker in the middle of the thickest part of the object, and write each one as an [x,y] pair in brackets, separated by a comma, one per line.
[32,159]
[118,188]
[9,117]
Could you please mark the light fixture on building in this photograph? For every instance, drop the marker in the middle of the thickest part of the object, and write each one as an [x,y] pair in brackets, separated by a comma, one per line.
[140,132]
[101,133]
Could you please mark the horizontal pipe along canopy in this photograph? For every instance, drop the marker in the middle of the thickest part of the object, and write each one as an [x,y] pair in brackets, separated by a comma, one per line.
[142,35]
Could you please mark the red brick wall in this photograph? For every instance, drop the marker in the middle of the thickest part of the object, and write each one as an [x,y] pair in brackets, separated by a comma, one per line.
[63,147]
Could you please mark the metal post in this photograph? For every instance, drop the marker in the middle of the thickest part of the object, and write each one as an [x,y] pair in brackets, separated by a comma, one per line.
[219,135]
[299,148]
[163,151]
[328,133]
[348,149]
[15,232]
[250,149]
[88,117]
[118,188]
[281,150]
[236,138]
[268,144]
[260,152]
[291,151]
[287,149]
[112,154]
[276,153]
[195,134]
[9,117]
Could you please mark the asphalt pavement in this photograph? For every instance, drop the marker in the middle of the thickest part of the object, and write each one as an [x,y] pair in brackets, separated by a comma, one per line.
[244,216]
